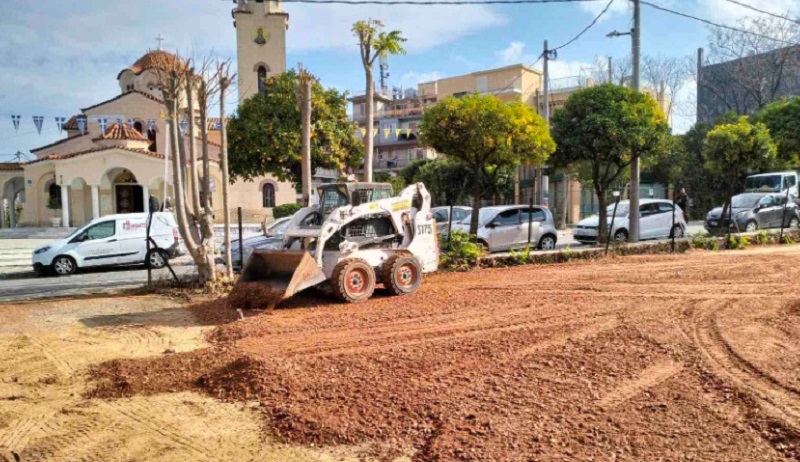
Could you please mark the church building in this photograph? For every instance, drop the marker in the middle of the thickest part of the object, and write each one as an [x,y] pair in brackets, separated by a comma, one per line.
[112,159]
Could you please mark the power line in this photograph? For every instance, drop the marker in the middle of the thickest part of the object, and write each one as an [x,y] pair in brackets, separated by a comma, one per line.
[768,13]
[591,24]
[712,23]
[432,2]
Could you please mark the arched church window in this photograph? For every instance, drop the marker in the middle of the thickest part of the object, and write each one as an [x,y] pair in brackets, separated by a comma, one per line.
[54,193]
[262,78]
[138,127]
[151,136]
[268,195]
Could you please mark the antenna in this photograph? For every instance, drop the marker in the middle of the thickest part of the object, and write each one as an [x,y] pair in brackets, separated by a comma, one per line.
[384,66]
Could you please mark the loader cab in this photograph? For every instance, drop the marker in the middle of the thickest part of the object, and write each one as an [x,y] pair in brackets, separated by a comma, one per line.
[335,195]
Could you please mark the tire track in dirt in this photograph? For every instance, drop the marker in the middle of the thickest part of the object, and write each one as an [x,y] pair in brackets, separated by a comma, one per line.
[63,366]
[781,402]
[648,378]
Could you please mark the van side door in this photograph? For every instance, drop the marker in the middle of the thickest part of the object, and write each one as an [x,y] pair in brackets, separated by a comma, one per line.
[97,245]
[132,233]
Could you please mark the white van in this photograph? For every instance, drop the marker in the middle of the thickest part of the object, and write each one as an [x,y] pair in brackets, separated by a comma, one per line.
[775,182]
[111,240]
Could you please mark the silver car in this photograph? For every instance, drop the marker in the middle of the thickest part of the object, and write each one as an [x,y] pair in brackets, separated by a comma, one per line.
[505,227]
[442,216]
[271,239]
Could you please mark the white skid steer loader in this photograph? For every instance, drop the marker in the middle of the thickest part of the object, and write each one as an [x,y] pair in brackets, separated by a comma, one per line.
[358,235]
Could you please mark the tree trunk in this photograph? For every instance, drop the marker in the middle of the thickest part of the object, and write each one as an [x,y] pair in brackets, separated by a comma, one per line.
[195,199]
[562,213]
[476,204]
[602,224]
[369,138]
[192,218]
[223,160]
[207,221]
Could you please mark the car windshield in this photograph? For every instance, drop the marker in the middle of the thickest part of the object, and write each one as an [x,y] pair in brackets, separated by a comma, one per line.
[767,183]
[745,201]
[622,210]
[331,199]
[278,228]
[484,215]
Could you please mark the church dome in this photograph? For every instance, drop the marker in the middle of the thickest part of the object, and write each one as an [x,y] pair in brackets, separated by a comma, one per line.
[121,131]
[155,59]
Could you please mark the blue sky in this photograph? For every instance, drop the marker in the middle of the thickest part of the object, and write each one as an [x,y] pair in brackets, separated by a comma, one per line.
[61,56]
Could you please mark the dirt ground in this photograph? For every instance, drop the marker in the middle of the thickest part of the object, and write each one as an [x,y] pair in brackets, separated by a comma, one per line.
[691,357]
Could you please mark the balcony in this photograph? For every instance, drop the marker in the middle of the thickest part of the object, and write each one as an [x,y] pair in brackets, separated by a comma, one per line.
[409,111]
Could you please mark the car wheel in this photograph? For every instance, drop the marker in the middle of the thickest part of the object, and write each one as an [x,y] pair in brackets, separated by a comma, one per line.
[156,259]
[793,223]
[547,242]
[64,266]
[484,247]
[751,226]
[621,236]
[677,232]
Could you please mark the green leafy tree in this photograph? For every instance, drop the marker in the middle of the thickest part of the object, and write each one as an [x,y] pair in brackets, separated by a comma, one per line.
[782,117]
[601,129]
[484,133]
[409,173]
[265,137]
[397,181]
[372,44]
[734,148]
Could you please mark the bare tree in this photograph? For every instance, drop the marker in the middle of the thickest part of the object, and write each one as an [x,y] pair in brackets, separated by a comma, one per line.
[225,78]
[666,76]
[621,70]
[174,81]
[746,70]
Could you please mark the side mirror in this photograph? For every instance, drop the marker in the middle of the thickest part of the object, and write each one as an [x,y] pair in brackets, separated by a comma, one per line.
[490,225]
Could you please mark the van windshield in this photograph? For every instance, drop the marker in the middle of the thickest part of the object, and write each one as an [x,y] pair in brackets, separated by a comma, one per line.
[765,183]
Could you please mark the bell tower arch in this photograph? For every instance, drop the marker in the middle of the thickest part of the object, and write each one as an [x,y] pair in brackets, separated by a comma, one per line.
[260,43]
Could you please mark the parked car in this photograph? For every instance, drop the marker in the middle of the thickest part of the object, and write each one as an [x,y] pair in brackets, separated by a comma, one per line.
[111,240]
[442,216]
[272,238]
[754,211]
[506,227]
[655,221]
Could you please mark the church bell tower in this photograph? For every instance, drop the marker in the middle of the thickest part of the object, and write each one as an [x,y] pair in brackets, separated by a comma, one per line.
[260,43]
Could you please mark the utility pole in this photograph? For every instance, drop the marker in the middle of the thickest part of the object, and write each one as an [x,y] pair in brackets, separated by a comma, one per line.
[610,71]
[634,194]
[305,117]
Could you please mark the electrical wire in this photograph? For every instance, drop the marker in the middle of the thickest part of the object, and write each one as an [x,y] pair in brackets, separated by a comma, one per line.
[433,2]
[714,24]
[768,13]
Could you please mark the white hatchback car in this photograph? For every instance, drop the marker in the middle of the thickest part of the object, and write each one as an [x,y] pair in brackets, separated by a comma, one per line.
[111,240]
[503,228]
[655,222]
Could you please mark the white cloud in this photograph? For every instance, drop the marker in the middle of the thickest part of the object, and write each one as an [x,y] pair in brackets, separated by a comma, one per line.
[618,7]
[514,54]
[728,13]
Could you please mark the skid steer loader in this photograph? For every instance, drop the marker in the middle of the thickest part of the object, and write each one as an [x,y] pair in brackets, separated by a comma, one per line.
[358,236]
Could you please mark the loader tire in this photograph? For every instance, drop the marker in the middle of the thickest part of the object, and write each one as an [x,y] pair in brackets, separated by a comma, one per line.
[401,274]
[353,280]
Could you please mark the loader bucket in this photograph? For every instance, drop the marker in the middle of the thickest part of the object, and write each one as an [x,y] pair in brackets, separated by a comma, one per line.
[285,271]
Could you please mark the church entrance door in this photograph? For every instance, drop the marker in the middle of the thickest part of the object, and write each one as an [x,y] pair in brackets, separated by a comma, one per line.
[130,198]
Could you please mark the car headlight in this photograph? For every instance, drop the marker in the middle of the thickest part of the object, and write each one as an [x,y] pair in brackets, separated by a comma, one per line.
[42,250]
[741,214]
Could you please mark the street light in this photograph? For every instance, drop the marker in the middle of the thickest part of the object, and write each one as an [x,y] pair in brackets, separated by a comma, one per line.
[618,34]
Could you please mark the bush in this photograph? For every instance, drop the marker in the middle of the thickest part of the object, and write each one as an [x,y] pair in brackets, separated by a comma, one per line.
[521,257]
[705,241]
[461,254]
[285,210]
[738,242]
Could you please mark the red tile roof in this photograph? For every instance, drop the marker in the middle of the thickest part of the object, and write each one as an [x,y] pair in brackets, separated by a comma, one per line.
[72,123]
[121,131]
[89,151]
[56,143]
[146,95]
[10,166]
[156,59]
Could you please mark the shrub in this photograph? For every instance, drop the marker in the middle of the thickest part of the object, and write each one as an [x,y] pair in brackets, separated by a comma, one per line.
[461,254]
[521,257]
[285,210]
[705,241]
[737,242]
[788,239]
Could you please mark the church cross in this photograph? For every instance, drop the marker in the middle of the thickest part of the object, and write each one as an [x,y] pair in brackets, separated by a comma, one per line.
[159,39]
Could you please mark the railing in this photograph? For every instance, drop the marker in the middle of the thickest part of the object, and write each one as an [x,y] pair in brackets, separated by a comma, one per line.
[394,113]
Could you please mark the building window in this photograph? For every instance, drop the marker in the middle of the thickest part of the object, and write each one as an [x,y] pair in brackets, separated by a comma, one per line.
[262,79]
[137,126]
[268,195]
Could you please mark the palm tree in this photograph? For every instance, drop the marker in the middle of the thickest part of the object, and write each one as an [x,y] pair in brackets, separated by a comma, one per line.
[374,43]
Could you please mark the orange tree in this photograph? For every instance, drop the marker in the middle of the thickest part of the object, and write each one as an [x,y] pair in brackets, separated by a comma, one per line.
[485,134]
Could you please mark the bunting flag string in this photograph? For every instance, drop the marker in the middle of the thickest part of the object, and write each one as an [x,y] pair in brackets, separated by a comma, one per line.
[397,132]
[15,120]
[37,122]
[60,121]
[103,123]
[131,122]
[183,125]
[363,132]
[386,132]
[151,124]
[82,125]
[374,132]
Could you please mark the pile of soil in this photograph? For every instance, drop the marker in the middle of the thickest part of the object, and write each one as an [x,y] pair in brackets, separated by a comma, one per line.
[614,360]
[254,296]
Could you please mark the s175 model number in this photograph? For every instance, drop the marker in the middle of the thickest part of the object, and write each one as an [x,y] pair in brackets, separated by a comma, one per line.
[424,229]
